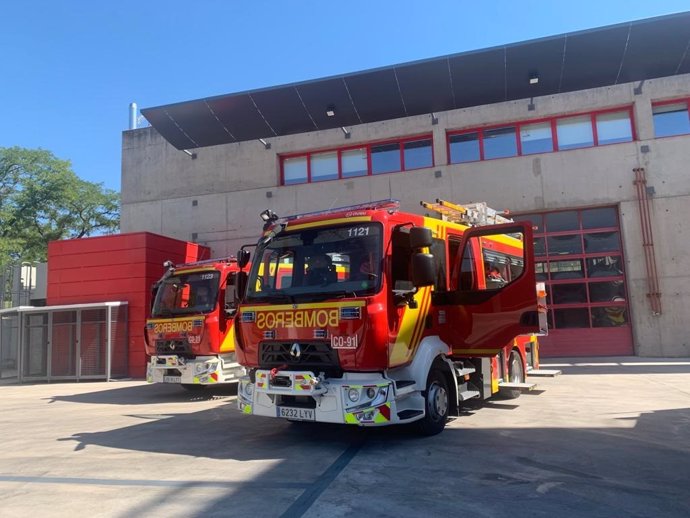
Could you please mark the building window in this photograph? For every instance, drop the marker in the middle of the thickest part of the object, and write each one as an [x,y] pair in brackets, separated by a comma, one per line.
[418,154]
[354,162]
[500,143]
[671,119]
[464,148]
[371,159]
[578,255]
[536,138]
[613,127]
[531,137]
[385,158]
[295,170]
[324,166]
[575,132]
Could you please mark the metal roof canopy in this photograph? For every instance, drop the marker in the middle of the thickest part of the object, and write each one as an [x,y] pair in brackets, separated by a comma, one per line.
[627,52]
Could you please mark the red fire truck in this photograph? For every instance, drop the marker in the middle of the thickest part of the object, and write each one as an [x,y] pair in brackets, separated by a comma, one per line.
[190,336]
[426,313]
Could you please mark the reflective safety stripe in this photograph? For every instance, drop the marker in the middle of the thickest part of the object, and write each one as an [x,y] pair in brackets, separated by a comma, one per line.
[383,414]
[303,382]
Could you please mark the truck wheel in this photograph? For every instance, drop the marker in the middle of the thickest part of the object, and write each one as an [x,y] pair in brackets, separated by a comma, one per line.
[192,387]
[516,374]
[436,404]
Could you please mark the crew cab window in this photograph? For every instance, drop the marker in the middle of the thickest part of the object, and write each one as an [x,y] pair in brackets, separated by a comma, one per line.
[489,262]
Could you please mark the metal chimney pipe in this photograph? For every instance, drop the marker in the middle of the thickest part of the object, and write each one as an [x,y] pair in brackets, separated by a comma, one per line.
[132,116]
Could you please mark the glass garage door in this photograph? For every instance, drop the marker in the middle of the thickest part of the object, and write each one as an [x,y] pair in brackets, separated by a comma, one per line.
[580,257]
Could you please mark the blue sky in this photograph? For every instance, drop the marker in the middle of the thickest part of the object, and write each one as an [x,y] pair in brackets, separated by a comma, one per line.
[70,68]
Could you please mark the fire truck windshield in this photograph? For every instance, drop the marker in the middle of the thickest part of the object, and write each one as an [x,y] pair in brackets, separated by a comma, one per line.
[187,293]
[317,263]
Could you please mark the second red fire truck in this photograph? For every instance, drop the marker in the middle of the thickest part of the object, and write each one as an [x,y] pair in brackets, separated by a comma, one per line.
[190,336]
[371,316]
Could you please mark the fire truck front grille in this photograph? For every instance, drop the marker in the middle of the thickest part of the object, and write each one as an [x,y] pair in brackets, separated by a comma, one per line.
[172,347]
[299,355]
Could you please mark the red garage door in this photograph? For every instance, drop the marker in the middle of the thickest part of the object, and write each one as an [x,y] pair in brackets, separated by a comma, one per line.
[580,257]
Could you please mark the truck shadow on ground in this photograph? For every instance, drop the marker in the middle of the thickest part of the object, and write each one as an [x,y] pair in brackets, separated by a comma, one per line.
[640,470]
[149,394]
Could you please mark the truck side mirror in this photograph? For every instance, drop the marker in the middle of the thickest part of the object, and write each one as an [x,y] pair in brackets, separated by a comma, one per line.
[423,270]
[420,237]
[242,257]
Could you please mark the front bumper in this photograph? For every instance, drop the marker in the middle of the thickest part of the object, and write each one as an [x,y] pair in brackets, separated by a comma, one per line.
[366,399]
[202,370]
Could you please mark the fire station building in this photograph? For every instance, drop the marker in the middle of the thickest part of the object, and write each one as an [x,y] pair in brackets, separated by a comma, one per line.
[585,134]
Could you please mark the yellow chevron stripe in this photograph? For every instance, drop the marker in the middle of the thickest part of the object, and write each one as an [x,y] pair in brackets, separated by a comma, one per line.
[173,320]
[421,321]
[228,344]
[410,329]
[324,222]
[315,305]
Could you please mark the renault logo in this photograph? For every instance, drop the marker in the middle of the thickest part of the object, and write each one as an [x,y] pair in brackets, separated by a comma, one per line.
[295,351]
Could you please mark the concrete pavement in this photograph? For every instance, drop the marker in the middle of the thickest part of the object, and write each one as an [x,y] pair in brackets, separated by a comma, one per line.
[610,437]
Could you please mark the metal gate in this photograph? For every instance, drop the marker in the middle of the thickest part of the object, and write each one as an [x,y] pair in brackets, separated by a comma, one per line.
[80,341]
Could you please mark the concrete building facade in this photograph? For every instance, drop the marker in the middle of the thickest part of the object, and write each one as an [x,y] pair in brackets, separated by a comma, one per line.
[214,196]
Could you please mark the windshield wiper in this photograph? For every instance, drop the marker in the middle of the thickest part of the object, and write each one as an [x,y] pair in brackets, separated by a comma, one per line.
[273,297]
[338,294]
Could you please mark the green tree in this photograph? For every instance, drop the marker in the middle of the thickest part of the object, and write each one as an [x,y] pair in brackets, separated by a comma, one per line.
[42,199]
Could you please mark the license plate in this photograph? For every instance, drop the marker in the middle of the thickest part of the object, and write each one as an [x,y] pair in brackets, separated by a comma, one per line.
[344,342]
[298,414]
[172,379]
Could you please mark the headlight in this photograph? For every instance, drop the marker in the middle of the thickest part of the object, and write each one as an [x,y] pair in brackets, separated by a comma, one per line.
[249,389]
[371,392]
[353,395]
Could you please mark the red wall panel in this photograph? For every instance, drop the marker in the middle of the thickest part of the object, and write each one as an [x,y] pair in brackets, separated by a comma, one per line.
[121,267]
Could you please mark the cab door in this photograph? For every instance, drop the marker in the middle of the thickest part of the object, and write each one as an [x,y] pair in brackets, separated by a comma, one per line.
[477,317]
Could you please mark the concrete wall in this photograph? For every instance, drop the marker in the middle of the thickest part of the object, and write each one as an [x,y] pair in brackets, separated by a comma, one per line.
[218,195]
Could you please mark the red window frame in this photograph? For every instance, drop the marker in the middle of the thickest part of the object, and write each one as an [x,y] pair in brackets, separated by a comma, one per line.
[518,125]
[367,147]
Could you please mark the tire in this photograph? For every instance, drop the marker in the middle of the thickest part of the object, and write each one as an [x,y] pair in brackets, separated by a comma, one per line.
[516,374]
[192,387]
[436,404]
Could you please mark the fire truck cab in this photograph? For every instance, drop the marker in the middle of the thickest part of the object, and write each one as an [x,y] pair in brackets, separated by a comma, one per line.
[190,336]
[386,317]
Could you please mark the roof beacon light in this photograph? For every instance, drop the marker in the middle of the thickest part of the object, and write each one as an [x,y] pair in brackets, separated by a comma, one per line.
[268,215]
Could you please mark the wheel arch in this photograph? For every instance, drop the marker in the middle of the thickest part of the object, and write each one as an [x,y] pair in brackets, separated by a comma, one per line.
[432,352]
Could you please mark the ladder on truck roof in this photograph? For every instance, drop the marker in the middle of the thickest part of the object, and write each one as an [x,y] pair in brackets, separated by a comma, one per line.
[472,214]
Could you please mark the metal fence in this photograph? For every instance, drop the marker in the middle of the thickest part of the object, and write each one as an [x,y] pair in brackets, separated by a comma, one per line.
[74,342]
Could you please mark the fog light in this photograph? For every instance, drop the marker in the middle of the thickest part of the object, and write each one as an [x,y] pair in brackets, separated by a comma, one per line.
[353,395]
[371,392]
